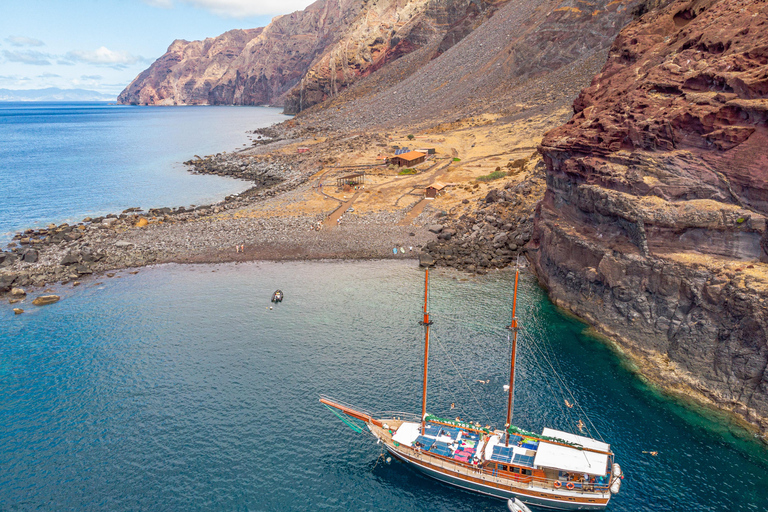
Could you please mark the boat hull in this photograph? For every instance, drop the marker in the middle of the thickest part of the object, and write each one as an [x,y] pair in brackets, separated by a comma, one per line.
[539,501]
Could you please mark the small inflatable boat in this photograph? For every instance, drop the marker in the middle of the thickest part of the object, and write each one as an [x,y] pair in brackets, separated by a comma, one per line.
[277,296]
[515,505]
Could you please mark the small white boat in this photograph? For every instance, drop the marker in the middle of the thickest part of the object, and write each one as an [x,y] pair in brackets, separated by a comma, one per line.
[515,505]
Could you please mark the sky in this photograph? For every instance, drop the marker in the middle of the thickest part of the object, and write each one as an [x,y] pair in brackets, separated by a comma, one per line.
[102,45]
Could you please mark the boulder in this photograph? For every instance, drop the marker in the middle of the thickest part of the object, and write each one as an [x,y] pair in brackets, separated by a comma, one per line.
[70,258]
[18,292]
[29,256]
[44,300]
[6,280]
[123,243]
[7,259]
[426,260]
[17,311]
[435,228]
[493,196]
[83,269]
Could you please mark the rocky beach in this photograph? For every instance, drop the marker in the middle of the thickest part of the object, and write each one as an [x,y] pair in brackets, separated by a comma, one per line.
[625,161]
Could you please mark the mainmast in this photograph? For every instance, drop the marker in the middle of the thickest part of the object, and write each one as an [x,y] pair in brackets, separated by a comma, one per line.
[512,327]
[426,323]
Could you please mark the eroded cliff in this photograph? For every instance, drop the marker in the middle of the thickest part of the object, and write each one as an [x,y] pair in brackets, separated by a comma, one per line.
[653,225]
[303,58]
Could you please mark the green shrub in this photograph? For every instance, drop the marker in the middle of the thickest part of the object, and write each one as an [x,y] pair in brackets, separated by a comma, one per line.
[495,175]
[456,159]
[410,137]
[406,171]
[740,220]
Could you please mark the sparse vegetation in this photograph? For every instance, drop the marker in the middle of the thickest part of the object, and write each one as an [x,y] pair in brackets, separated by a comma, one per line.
[406,172]
[495,175]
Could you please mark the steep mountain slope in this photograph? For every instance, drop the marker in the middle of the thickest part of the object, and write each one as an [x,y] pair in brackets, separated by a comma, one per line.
[653,225]
[324,49]
[530,56]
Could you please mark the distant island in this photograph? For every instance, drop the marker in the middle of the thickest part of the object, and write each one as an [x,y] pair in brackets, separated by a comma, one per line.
[53,94]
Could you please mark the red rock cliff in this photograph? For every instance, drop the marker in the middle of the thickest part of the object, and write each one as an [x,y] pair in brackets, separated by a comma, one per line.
[303,58]
[653,226]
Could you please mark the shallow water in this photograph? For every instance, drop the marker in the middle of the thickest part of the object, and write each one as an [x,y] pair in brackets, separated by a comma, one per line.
[178,389]
[64,161]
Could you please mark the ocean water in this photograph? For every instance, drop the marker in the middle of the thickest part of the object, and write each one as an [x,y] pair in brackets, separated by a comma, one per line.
[179,389]
[64,161]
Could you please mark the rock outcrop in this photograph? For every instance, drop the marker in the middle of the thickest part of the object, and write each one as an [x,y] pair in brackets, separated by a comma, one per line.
[653,225]
[302,58]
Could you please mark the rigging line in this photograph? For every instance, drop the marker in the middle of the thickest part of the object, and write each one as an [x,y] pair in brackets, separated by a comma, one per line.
[545,376]
[560,386]
[439,343]
[576,402]
[453,396]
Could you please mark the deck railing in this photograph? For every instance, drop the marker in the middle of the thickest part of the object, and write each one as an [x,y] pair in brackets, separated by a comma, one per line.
[524,482]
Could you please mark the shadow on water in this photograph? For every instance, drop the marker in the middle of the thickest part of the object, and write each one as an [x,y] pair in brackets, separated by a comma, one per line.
[179,388]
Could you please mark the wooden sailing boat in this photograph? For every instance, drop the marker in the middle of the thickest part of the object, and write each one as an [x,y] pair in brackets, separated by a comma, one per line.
[554,469]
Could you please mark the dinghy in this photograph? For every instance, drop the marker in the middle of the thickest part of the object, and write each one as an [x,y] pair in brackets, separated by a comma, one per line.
[515,505]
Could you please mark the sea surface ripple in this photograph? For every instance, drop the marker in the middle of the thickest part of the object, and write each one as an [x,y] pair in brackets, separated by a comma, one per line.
[179,389]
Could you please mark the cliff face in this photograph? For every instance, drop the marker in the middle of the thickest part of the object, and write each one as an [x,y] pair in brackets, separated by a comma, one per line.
[529,57]
[242,67]
[653,225]
[383,33]
[322,49]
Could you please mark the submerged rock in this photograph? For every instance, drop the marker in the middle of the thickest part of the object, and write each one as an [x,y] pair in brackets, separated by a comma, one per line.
[44,300]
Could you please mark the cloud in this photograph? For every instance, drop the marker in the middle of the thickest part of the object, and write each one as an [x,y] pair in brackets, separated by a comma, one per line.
[13,79]
[24,41]
[27,57]
[237,8]
[163,4]
[103,56]
[90,77]
[49,75]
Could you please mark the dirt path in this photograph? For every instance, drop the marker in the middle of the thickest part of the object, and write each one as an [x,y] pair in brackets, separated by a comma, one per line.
[332,219]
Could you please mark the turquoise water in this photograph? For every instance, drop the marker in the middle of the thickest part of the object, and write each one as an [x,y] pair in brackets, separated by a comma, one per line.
[178,389]
[64,161]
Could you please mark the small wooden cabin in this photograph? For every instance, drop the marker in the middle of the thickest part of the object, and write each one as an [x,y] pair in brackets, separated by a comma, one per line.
[434,190]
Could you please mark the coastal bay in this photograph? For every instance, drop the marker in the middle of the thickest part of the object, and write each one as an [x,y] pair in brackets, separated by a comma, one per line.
[60,162]
[178,388]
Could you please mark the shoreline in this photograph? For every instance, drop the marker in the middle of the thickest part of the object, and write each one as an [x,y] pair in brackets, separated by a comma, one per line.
[487,229]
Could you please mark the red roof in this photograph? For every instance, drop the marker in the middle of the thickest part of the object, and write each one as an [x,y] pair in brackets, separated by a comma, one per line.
[411,155]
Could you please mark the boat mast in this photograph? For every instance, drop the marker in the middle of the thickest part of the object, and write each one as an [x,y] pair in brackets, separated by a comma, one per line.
[426,323]
[512,327]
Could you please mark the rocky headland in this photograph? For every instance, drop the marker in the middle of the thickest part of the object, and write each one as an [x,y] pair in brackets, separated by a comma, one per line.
[653,224]
[301,59]
[643,207]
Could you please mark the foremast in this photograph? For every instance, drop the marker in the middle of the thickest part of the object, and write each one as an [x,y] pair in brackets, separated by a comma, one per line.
[513,329]
[426,323]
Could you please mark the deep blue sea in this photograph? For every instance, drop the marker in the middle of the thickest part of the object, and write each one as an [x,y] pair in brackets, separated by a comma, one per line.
[64,161]
[179,389]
